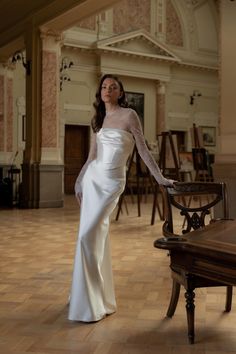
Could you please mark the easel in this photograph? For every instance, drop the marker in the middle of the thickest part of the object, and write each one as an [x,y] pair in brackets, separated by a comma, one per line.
[200,157]
[139,174]
[168,163]
[197,137]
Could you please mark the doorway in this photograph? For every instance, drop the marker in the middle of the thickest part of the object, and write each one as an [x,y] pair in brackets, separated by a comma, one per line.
[76,150]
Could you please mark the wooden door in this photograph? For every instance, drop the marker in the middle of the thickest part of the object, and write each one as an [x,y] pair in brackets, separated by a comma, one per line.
[75,152]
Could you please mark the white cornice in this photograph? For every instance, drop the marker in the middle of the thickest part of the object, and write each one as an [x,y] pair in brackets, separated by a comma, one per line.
[120,44]
[199,66]
[139,44]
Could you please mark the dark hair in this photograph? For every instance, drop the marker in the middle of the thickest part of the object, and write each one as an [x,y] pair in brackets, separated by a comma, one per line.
[100,111]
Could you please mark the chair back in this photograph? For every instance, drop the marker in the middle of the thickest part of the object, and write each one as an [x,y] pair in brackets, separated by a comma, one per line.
[193,201]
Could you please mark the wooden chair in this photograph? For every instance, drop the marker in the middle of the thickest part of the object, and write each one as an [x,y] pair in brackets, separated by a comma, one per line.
[196,217]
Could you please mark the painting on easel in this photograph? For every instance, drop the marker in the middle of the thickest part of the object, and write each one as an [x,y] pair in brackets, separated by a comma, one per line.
[196,137]
[136,101]
[209,136]
[171,152]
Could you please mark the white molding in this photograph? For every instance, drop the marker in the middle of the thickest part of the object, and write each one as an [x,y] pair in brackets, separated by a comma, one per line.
[77,107]
[51,156]
[85,68]
[139,35]
[191,82]
[179,115]
[136,73]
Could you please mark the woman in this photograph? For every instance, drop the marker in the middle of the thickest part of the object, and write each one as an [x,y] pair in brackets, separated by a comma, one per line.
[100,183]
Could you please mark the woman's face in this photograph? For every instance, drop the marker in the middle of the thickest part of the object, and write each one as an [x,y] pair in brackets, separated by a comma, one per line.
[110,91]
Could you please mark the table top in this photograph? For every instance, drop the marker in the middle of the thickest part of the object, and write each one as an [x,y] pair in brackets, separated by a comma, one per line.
[217,239]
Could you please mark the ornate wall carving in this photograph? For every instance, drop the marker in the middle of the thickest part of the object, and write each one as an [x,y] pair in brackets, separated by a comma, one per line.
[130,15]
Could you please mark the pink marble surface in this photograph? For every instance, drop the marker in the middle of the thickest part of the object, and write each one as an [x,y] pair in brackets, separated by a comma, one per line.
[9,114]
[130,15]
[88,23]
[174,35]
[49,99]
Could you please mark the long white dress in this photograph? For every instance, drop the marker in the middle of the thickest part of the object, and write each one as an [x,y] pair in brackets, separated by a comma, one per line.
[92,292]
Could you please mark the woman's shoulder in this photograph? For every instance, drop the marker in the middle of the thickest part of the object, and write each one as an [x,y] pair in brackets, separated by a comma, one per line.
[129,111]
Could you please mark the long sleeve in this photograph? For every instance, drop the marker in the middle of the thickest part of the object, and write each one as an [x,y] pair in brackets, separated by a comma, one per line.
[136,129]
[92,155]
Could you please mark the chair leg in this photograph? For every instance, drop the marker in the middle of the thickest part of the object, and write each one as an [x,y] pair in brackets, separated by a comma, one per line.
[229,293]
[174,299]
[154,206]
[190,307]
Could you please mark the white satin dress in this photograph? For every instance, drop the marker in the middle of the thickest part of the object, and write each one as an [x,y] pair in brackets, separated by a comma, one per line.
[92,292]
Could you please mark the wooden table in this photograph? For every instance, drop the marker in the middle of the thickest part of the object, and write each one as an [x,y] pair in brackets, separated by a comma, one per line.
[208,252]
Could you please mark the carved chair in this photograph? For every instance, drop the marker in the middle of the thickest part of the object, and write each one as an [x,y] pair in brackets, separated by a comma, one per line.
[196,216]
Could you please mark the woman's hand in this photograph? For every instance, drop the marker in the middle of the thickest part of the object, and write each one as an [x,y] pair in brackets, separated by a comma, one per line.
[78,192]
[79,198]
[168,182]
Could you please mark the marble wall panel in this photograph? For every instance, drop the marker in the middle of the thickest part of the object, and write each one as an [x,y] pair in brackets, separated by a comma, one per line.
[174,35]
[9,114]
[88,23]
[49,100]
[130,15]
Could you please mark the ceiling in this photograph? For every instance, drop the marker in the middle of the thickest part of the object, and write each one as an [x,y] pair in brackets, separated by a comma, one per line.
[17,17]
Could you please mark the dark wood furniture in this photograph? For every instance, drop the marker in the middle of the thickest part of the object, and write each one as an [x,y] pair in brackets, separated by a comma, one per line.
[201,256]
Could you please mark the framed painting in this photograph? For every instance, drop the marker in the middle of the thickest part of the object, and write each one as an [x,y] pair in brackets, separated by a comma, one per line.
[136,101]
[209,136]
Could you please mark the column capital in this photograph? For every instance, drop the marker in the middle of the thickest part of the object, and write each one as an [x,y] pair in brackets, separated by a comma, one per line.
[51,40]
[6,65]
[161,87]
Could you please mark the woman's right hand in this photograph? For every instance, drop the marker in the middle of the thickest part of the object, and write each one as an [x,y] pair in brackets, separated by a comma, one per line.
[78,192]
[79,197]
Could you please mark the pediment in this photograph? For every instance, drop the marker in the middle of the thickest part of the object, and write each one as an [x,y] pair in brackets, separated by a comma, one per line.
[139,43]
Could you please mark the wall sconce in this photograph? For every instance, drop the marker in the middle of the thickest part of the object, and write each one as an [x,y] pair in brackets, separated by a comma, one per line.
[65,65]
[19,56]
[195,94]
[64,77]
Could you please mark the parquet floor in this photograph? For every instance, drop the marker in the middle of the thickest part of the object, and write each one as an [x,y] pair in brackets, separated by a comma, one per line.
[37,251]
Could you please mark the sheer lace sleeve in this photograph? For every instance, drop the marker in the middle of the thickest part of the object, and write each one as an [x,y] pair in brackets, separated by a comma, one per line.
[136,129]
[92,155]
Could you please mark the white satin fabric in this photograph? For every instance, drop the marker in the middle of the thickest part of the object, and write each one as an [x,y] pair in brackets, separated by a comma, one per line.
[92,292]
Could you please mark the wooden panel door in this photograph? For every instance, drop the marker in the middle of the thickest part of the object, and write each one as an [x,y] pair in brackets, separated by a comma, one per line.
[75,152]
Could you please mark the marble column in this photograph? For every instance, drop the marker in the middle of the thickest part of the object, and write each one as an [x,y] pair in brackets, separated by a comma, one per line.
[29,196]
[42,169]
[6,118]
[225,161]
[51,166]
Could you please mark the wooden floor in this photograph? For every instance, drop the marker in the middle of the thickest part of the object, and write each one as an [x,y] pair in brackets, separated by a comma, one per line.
[37,251]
